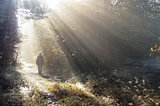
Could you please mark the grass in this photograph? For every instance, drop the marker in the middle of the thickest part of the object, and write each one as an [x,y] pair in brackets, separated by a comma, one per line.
[132,93]
[72,95]
[98,91]
[111,91]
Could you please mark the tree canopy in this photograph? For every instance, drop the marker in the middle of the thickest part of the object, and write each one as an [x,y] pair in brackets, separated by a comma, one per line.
[100,33]
[91,34]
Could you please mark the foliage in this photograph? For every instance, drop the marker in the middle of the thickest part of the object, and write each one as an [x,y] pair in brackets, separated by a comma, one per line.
[91,36]
[53,55]
[37,9]
[101,34]
[105,91]
[155,51]
[96,90]
[9,35]
[126,93]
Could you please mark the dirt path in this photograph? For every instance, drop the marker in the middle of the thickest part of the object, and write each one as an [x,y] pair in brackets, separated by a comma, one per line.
[21,87]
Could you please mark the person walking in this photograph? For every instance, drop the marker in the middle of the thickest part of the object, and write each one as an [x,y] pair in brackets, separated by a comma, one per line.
[40,63]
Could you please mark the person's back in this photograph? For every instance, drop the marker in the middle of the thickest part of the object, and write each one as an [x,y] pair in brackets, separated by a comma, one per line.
[40,62]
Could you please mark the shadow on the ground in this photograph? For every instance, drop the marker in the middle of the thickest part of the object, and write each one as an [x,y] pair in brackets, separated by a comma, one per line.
[44,76]
[10,83]
[63,74]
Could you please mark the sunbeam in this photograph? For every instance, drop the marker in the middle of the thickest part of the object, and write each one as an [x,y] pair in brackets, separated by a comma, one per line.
[87,46]
[53,4]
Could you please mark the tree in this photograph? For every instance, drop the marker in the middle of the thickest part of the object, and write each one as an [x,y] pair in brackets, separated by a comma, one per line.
[9,35]
[102,34]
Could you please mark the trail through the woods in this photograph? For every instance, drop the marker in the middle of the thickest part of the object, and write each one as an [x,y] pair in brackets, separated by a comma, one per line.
[23,83]
[25,87]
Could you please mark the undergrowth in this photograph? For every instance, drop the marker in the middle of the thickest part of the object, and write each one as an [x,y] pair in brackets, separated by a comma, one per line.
[133,93]
[99,91]
[106,92]
[72,95]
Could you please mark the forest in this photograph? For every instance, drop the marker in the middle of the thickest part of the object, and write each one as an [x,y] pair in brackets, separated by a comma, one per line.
[96,52]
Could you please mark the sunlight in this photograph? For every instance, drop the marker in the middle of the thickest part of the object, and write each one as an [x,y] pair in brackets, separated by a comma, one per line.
[77,0]
[28,66]
[25,91]
[28,38]
[56,4]
[53,4]
[80,85]
[83,44]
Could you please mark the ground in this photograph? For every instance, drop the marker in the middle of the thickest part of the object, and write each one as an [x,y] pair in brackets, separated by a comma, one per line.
[21,85]
[18,86]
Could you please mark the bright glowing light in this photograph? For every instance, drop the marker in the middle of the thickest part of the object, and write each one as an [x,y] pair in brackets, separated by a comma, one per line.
[79,85]
[28,38]
[56,4]
[53,4]
[77,0]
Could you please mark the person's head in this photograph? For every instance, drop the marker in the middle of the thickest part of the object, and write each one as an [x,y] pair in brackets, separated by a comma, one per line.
[39,53]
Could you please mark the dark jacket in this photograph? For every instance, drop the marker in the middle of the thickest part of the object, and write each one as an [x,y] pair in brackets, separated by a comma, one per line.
[40,60]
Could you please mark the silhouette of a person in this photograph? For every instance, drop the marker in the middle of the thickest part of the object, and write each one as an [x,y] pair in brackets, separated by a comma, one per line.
[40,62]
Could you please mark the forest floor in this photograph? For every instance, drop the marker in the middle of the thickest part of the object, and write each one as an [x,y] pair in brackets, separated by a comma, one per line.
[23,86]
